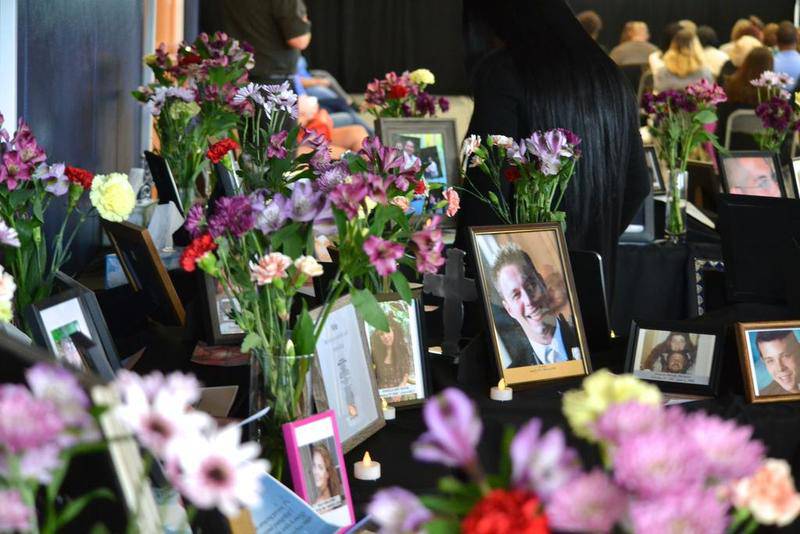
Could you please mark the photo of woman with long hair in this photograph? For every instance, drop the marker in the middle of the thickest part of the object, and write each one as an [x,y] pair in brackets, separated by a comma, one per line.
[327,484]
[676,354]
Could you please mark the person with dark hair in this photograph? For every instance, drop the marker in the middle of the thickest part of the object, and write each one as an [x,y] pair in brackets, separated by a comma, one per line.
[327,483]
[676,342]
[787,59]
[635,46]
[525,297]
[714,57]
[780,352]
[557,77]
[771,36]
[738,87]
[591,22]
[392,359]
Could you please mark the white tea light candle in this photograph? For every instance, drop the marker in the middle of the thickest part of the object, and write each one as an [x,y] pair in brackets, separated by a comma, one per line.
[366,469]
[389,412]
[501,392]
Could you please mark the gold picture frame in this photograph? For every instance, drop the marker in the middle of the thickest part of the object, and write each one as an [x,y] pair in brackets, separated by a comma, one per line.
[749,350]
[518,358]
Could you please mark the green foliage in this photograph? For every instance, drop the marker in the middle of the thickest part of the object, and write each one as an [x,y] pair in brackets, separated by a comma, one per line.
[303,333]
[369,309]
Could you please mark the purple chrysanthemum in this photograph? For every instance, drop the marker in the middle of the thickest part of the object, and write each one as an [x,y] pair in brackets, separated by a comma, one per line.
[729,451]
[589,503]
[194,220]
[692,510]
[234,215]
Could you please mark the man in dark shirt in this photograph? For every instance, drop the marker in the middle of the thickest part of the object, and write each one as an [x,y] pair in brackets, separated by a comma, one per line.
[277,29]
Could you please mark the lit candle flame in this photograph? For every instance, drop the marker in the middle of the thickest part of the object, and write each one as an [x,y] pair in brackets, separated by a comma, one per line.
[384,404]
[367,460]
[502,384]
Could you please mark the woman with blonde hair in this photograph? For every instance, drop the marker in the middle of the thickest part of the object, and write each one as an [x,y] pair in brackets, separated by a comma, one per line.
[684,63]
[740,28]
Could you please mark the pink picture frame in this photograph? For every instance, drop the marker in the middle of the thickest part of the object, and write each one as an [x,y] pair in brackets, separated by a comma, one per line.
[316,462]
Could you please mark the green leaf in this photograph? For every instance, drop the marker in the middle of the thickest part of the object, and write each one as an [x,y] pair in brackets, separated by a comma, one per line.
[445,505]
[382,215]
[504,472]
[443,526]
[289,240]
[303,334]
[370,310]
[250,341]
[75,507]
[706,117]
[401,285]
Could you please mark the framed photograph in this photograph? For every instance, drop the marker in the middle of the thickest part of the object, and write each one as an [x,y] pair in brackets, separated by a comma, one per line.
[398,356]
[104,339]
[431,143]
[316,461]
[642,229]
[795,172]
[657,184]
[679,357]
[753,173]
[531,302]
[221,328]
[164,180]
[707,281]
[55,321]
[770,357]
[343,377]
[144,269]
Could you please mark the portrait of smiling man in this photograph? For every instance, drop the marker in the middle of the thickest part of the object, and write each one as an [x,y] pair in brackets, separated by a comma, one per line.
[548,338]
[780,352]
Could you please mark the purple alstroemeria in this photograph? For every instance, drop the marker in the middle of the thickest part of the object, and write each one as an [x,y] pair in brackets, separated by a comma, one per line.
[324,223]
[549,147]
[8,236]
[378,187]
[380,158]
[305,202]
[348,196]
[25,143]
[454,430]
[383,254]
[428,246]
[271,215]
[517,152]
[13,170]
[542,463]
[56,182]
[397,510]
[277,142]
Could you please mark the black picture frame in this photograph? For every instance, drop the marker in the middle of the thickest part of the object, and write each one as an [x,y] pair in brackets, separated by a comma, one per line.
[642,233]
[657,184]
[164,180]
[388,128]
[718,333]
[700,267]
[211,310]
[737,154]
[89,298]
[794,170]
[43,315]
[418,318]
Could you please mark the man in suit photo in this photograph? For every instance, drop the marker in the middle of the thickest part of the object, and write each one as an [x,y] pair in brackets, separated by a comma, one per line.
[542,337]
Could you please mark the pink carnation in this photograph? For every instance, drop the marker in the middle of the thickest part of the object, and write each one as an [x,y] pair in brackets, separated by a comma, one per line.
[269,267]
[453,201]
[769,494]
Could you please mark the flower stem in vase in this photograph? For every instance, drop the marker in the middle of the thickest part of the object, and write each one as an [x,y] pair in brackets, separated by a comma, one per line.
[676,206]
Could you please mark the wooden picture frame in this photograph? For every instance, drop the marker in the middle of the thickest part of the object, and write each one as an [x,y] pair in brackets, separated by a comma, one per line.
[681,357]
[781,350]
[518,302]
[319,435]
[657,184]
[726,165]
[219,331]
[56,319]
[413,339]
[135,248]
[342,375]
[435,143]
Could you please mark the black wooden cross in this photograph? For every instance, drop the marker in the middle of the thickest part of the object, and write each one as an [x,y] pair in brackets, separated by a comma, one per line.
[455,289]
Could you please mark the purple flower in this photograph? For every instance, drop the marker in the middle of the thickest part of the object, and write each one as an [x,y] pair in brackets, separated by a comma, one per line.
[195,220]
[15,516]
[398,511]
[25,143]
[59,386]
[729,451]
[26,422]
[589,503]
[517,152]
[453,430]
[56,182]
[13,170]
[380,159]
[324,223]
[444,104]
[8,236]
[276,148]
[542,463]
[776,113]
[233,215]
[330,178]
[39,463]
[305,202]
[272,215]
[707,93]
[383,254]
[281,98]
[627,419]
[425,104]
[692,511]
[549,147]
[405,110]
[658,462]
[378,187]
[348,196]
[428,246]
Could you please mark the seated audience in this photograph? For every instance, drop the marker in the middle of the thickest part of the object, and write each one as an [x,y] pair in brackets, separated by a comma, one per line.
[771,36]
[592,23]
[635,46]
[740,28]
[737,54]
[788,58]
[759,25]
[714,57]
[656,59]
[684,64]
[742,95]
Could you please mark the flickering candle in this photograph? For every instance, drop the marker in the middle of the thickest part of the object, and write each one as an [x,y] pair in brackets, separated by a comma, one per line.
[389,412]
[366,469]
[501,392]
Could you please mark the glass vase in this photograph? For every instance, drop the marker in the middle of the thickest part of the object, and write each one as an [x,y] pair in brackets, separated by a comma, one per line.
[283,384]
[675,218]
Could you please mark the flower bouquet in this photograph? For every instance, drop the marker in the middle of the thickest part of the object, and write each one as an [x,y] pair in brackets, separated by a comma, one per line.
[680,121]
[666,471]
[28,187]
[192,100]
[403,95]
[539,168]
[778,114]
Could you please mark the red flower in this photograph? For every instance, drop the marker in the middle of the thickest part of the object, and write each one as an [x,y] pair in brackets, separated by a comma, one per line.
[189,59]
[398,91]
[198,248]
[506,511]
[421,187]
[218,150]
[79,176]
[511,174]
